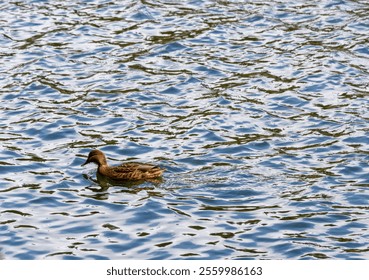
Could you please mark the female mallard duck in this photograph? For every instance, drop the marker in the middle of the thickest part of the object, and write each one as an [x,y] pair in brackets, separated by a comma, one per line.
[127,171]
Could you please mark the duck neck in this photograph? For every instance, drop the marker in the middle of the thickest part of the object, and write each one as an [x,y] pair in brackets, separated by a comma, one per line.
[102,168]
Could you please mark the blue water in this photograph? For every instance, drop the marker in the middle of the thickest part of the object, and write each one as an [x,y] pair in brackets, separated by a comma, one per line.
[257,110]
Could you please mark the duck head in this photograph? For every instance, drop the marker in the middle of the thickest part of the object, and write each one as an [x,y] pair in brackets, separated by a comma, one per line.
[97,157]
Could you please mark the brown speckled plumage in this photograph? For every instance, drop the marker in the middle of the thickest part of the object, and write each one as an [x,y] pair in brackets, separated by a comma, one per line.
[127,171]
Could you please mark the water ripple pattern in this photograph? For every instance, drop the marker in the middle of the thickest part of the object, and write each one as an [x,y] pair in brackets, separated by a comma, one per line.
[258,110]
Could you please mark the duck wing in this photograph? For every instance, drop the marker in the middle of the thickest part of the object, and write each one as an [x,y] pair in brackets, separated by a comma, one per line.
[144,167]
[136,171]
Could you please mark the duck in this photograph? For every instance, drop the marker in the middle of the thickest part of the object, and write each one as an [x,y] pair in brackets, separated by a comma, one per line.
[131,171]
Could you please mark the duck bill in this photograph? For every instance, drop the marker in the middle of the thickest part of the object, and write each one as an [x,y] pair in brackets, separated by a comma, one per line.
[85,163]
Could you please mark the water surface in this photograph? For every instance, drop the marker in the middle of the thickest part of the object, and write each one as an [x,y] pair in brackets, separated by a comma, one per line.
[257,109]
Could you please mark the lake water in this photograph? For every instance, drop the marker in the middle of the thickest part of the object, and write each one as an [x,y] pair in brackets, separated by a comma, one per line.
[258,110]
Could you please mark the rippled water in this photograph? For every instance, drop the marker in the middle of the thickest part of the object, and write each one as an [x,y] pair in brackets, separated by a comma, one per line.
[257,109]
